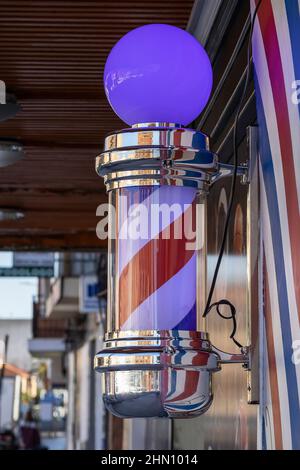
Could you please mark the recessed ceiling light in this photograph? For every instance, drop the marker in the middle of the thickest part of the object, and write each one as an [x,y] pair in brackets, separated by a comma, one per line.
[10,152]
[11,214]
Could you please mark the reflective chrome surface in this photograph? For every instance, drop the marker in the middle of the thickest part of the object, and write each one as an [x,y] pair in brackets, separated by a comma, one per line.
[160,154]
[159,373]
[254,290]
[157,154]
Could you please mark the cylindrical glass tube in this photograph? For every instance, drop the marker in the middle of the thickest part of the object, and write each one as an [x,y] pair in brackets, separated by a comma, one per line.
[153,257]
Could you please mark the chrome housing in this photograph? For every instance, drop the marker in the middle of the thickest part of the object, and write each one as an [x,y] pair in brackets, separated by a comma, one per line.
[157,373]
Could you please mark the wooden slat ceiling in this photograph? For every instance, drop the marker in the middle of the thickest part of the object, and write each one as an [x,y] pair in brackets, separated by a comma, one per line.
[52,56]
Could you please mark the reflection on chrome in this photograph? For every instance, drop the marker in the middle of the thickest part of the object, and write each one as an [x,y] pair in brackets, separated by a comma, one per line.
[159,373]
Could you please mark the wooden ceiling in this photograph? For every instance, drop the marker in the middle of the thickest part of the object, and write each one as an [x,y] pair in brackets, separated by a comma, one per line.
[52,56]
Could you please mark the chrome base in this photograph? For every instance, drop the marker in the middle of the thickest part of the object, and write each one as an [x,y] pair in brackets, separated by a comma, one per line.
[143,396]
[157,373]
[160,373]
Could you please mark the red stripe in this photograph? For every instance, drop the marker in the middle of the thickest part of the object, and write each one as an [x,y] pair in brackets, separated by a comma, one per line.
[272,364]
[157,262]
[200,358]
[268,29]
[190,386]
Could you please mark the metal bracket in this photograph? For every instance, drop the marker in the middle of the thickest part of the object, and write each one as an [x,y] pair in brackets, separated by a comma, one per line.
[228,358]
[226,169]
[253,274]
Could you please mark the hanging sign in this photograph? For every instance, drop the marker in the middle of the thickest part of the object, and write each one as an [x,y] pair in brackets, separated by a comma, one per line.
[88,290]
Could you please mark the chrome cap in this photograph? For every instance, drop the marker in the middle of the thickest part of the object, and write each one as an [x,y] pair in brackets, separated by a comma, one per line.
[157,154]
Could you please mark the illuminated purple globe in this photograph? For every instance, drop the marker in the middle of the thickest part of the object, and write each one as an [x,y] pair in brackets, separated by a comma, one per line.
[158,73]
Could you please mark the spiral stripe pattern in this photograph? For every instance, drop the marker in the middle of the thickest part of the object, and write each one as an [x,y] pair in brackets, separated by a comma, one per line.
[157,273]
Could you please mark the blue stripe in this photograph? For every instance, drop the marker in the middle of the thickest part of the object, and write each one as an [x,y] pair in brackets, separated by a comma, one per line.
[293,15]
[138,192]
[270,185]
[183,407]
[189,322]
[173,383]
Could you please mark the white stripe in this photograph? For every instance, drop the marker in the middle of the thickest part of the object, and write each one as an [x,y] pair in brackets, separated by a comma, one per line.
[252,7]
[276,324]
[268,105]
[179,386]
[286,54]
[175,298]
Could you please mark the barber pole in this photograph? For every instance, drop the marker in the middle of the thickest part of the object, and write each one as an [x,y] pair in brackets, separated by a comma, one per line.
[157,268]
[156,360]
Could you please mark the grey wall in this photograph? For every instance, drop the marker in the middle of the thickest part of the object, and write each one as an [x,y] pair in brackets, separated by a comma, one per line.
[19,332]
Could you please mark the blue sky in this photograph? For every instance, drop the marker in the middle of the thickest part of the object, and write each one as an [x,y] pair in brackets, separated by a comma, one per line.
[16,293]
